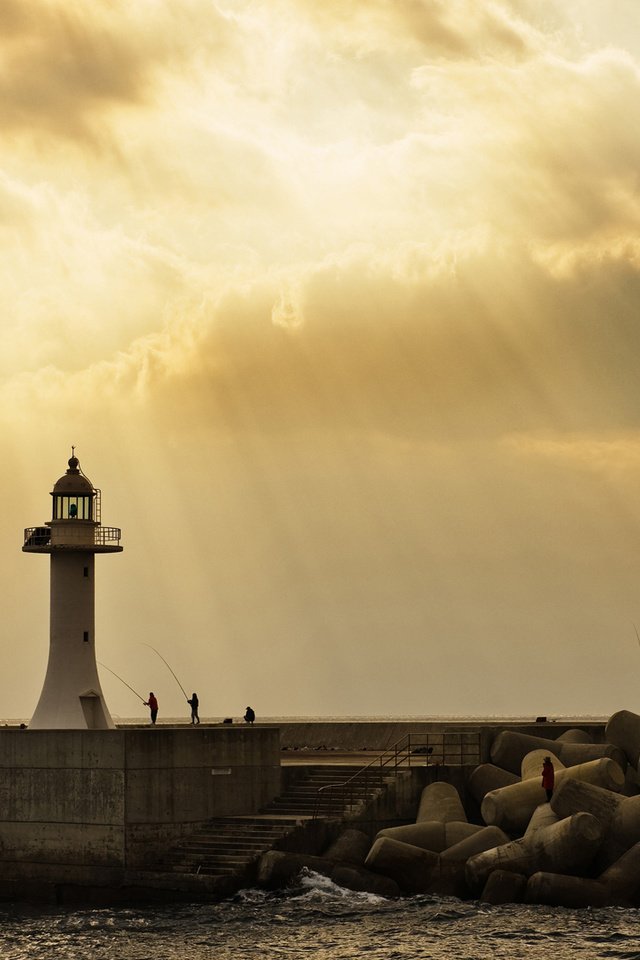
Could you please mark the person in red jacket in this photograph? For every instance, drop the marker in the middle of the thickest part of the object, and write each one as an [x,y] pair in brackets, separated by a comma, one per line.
[152,703]
[548,777]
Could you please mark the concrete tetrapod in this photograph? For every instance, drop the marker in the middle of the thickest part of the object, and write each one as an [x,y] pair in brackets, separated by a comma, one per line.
[557,890]
[619,816]
[531,765]
[416,870]
[574,735]
[542,816]
[568,846]
[352,847]
[440,801]
[631,782]
[412,868]
[623,730]
[503,886]
[510,808]
[618,886]
[485,839]
[431,834]
[509,748]
[487,777]
[622,879]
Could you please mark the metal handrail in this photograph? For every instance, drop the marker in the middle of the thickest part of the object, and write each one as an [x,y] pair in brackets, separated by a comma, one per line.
[417,749]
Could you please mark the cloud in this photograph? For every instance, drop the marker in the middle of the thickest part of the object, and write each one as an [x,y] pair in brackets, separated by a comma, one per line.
[455,30]
[67,67]
[411,344]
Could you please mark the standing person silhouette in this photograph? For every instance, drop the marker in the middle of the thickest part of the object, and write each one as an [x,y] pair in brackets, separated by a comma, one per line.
[548,777]
[249,715]
[194,704]
[152,703]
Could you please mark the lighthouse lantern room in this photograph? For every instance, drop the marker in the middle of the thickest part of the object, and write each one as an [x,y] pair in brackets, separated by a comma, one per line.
[71,696]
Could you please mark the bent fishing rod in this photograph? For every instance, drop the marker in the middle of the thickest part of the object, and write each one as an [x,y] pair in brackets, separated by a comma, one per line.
[168,668]
[122,681]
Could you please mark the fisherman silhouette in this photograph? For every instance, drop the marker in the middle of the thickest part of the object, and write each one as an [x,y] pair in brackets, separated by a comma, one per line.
[194,703]
[152,703]
[249,715]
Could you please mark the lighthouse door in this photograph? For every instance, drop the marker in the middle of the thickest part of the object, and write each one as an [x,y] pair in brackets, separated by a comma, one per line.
[93,713]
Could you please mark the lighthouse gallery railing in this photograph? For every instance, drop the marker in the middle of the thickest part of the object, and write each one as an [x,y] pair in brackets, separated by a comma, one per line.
[41,536]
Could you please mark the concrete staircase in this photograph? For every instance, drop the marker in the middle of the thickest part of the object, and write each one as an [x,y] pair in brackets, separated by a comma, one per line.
[228,846]
[301,797]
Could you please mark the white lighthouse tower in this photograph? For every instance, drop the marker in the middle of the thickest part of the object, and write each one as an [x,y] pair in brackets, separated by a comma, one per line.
[71,697]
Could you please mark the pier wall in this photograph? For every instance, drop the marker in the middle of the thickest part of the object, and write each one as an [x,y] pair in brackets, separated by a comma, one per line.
[82,805]
[379,735]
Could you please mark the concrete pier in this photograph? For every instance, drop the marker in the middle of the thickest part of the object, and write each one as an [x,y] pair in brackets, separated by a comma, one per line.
[81,806]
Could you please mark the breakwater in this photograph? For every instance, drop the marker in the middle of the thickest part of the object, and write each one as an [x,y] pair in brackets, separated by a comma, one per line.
[576,844]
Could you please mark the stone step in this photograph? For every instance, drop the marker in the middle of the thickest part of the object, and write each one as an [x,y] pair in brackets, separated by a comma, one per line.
[260,822]
[307,787]
[311,811]
[242,834]
[233,843]
[216,856]
[236,841]
[228,845]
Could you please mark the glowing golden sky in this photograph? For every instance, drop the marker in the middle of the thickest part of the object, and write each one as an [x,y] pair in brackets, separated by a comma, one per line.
[340,304]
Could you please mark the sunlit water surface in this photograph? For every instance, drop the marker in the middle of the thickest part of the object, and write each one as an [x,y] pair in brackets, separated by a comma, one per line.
[317,919]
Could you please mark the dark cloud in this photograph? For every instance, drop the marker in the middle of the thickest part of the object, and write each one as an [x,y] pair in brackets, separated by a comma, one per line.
[65,64]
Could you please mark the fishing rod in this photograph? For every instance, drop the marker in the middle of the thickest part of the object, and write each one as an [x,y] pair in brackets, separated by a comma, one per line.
[168,668]
[637,634]
[122,681]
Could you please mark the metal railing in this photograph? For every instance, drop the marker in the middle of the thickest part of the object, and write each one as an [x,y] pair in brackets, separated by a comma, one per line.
[106,535]
[41,536]
[458,748]
[37,536]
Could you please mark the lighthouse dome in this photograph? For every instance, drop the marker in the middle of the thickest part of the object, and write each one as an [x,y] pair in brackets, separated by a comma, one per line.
[73,481]
[74,495]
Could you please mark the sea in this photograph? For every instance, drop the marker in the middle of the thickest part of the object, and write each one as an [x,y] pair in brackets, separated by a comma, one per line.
[314,918]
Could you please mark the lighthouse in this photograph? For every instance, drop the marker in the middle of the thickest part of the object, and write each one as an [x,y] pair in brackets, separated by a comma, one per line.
[71,697]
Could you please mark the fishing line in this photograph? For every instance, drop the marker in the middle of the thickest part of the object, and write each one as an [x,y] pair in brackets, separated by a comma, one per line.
[168,668]
[121,680]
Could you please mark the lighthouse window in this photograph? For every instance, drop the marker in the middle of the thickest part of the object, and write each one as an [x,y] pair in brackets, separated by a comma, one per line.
[85,636]
[85,572]
[72,507]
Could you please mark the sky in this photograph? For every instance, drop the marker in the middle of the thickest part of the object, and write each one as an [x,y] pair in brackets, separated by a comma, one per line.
[339,304]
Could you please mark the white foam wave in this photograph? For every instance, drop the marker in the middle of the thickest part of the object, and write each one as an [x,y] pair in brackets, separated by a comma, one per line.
[315,886]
